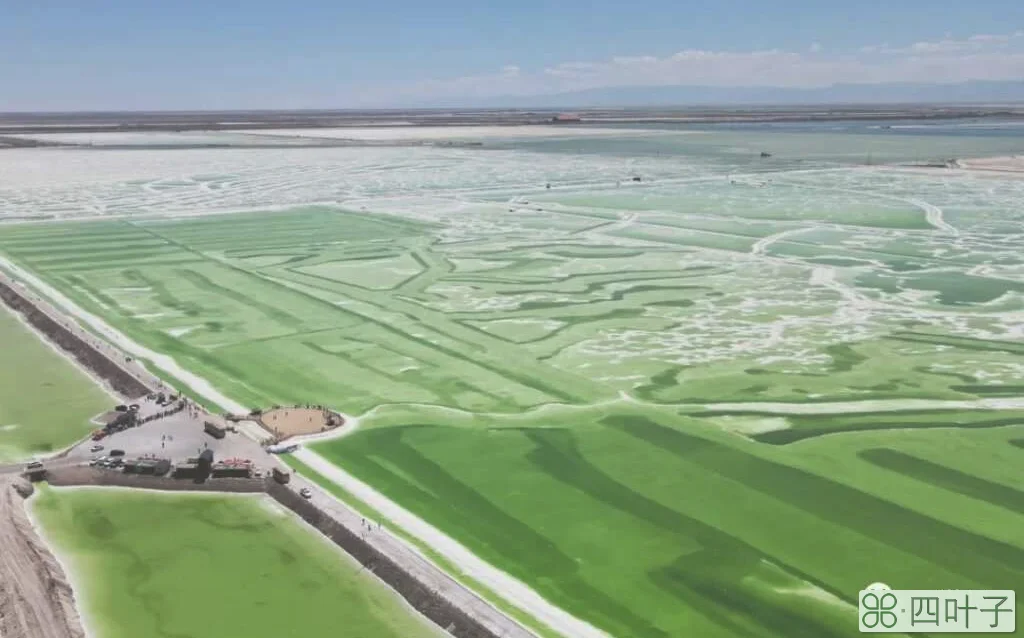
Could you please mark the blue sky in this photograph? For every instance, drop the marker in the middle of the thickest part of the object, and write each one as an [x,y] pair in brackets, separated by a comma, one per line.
[187,54]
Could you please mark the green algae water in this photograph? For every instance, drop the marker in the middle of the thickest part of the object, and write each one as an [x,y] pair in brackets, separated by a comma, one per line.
[171,565]
[45,401]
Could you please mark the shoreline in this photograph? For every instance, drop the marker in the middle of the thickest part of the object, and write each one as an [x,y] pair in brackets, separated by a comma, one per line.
[999,164]
[71,574]
[63,335]
[38,591]
[994,166]
[75,363]
[172,121]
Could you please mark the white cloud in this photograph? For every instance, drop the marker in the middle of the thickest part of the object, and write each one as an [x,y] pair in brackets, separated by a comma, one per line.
[947,60]
[978,42]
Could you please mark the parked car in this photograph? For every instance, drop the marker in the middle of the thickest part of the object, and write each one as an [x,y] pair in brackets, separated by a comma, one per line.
[96,448]
[305,493]
[34,465]
[117,453]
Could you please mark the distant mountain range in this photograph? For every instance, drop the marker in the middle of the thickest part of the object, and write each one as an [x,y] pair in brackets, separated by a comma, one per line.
[973,92]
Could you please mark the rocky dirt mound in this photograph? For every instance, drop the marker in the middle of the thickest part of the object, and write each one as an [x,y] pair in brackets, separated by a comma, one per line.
[35,598]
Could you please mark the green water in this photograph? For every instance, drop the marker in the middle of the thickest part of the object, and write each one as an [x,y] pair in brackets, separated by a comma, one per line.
[45,401]
[166,566]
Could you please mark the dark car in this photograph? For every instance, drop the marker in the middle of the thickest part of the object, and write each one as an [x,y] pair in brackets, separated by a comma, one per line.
[117,453]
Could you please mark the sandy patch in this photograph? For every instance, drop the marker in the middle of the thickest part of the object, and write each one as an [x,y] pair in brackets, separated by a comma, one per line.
[752,425]
[1008,164]
[288,422]
[181,332]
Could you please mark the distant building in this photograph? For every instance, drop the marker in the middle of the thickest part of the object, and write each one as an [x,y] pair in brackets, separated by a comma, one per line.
[147,465]
[205,462]
[188,469]
[567,117]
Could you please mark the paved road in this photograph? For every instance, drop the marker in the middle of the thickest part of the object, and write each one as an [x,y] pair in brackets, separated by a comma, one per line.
[16,468]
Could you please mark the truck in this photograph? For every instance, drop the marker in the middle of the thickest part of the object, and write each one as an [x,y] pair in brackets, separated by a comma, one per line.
[214,430]
[281,476]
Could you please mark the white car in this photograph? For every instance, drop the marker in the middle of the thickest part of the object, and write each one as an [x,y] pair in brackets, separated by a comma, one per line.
[96,448]
[305,493]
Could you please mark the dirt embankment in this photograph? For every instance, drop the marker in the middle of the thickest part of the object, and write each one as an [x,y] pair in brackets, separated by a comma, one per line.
[74,476]
[120,380]
[36,600]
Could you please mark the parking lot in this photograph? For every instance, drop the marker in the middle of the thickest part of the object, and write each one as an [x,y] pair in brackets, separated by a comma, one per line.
[176,437]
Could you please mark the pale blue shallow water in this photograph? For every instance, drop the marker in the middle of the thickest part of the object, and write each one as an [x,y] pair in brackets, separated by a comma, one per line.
[792,144]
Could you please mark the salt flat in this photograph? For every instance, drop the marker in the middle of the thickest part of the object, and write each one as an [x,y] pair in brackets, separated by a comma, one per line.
[468,132]
[603,388]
